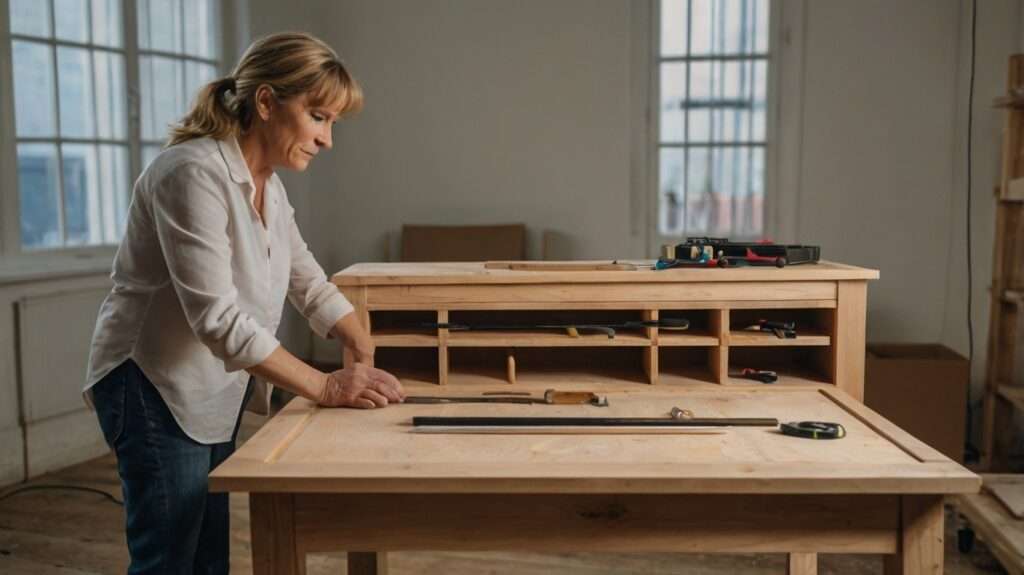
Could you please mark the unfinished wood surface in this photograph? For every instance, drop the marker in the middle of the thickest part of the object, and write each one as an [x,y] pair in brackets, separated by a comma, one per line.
[443,341]
[921,538]
[848,342]
[1008,489]
[456,273]
[601,523]
[1007,274]
[274,545]
[554,294]
[745,338]
[650,359]
[354,450]
[992,522]
[719,356]
[802,564]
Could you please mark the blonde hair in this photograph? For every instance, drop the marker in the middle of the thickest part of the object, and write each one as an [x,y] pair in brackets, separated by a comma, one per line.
[291,64]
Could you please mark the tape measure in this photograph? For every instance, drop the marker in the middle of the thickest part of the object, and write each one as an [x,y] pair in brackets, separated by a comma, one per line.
[813,429]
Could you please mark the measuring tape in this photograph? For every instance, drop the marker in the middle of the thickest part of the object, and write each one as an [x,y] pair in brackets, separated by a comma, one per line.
[813,429]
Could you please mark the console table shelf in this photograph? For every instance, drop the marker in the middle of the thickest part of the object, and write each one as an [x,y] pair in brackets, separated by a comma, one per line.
[404,305]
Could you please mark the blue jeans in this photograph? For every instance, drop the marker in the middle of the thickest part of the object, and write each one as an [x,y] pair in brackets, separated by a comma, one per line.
[173,524]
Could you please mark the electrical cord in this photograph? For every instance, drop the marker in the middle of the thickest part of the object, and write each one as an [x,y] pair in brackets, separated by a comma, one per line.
[27,488]
[969,447]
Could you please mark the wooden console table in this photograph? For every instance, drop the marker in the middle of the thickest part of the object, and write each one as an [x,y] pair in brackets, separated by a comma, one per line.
[826,300]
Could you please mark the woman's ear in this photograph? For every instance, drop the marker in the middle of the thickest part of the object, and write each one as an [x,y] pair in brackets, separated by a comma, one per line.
[265,101]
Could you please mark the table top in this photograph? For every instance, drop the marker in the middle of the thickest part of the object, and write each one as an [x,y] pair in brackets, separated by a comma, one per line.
[305,448]
[477,273]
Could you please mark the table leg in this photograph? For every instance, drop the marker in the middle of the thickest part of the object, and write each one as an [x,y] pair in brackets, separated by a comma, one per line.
[272,523]
[802,564]
[367,563]
[921,537]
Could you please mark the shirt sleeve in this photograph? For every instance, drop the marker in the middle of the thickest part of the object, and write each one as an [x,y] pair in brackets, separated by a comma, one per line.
[191,219]
[317,299]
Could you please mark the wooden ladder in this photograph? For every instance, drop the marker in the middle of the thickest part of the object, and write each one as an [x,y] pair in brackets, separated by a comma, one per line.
[1007,292]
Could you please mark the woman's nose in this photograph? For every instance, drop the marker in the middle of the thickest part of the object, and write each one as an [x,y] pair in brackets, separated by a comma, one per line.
[324,139]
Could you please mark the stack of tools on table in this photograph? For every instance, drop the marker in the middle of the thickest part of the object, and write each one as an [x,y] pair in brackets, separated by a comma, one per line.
[720,252]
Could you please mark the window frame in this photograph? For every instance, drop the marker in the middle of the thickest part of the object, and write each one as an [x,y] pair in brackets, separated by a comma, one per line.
[231,30]
[781,148]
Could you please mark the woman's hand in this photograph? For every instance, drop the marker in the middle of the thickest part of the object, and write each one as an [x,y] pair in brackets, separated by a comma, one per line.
[361,386]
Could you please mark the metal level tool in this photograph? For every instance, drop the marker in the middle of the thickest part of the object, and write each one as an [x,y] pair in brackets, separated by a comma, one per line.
[551,397]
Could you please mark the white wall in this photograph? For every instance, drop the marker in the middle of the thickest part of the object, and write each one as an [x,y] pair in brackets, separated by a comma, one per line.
[484,111]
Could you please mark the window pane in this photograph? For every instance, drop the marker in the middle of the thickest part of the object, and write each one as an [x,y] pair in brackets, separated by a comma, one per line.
[673,100]
[30,17]
[163,101]
[38,195]
[34,113]
[759,73]
[149,153]
[201,28]
[673,27]
[106,23]
[670,191]
[74,76]
[196,76]
[72,20]
[699,114]
[701,26]
[113,191]
[759,14]
[160,25]
[698,184]
[82,224]
[108,68]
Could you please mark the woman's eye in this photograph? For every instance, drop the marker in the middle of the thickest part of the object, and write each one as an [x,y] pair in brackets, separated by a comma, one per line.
[318,117]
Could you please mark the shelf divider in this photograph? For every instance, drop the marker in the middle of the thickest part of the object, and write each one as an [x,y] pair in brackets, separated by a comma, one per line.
[442,348]
[651,351]
[719,356]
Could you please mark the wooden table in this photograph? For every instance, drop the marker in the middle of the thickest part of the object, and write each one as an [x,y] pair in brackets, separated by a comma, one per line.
[363,481]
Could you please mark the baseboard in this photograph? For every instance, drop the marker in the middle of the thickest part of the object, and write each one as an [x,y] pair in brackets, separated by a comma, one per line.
[64,440]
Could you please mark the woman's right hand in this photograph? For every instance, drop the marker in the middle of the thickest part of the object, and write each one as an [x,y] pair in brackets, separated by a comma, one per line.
[360,386]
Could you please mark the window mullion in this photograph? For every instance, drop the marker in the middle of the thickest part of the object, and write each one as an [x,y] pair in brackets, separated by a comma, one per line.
[60,148]
[10,236]
[133,89]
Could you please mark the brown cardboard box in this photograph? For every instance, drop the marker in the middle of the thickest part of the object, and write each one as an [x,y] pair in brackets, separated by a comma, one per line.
[921,388]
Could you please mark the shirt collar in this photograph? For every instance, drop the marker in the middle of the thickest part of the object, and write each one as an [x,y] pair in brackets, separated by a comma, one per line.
[237,168]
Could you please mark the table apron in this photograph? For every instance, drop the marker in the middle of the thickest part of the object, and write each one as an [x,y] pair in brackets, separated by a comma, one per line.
[747,523]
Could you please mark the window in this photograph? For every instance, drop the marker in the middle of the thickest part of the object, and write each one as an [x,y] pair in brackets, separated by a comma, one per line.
[713,69]
[78,135]
[177,55]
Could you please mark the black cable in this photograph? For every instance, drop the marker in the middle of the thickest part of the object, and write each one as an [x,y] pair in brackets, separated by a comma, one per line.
[970,281]
[64,487]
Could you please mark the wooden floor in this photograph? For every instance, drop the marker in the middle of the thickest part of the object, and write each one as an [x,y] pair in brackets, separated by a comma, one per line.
[45,532]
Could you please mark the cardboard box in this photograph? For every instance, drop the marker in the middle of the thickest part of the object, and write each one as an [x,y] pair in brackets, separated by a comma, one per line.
[922,388]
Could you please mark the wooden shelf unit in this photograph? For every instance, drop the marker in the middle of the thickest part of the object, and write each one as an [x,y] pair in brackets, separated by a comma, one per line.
[402,305]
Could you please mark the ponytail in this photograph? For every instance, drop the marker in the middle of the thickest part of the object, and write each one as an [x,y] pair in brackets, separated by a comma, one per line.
[291,64]
[211,115]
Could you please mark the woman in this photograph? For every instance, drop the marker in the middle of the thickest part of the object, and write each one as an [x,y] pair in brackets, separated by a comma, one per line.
[210,252]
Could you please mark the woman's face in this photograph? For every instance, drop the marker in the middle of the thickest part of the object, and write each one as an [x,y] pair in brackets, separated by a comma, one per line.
[296,131]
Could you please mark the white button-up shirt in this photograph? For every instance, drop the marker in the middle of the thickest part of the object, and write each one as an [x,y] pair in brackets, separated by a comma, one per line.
[200,283]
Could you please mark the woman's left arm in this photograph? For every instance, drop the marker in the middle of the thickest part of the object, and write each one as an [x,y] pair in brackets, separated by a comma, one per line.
[320,302]
[358,346]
